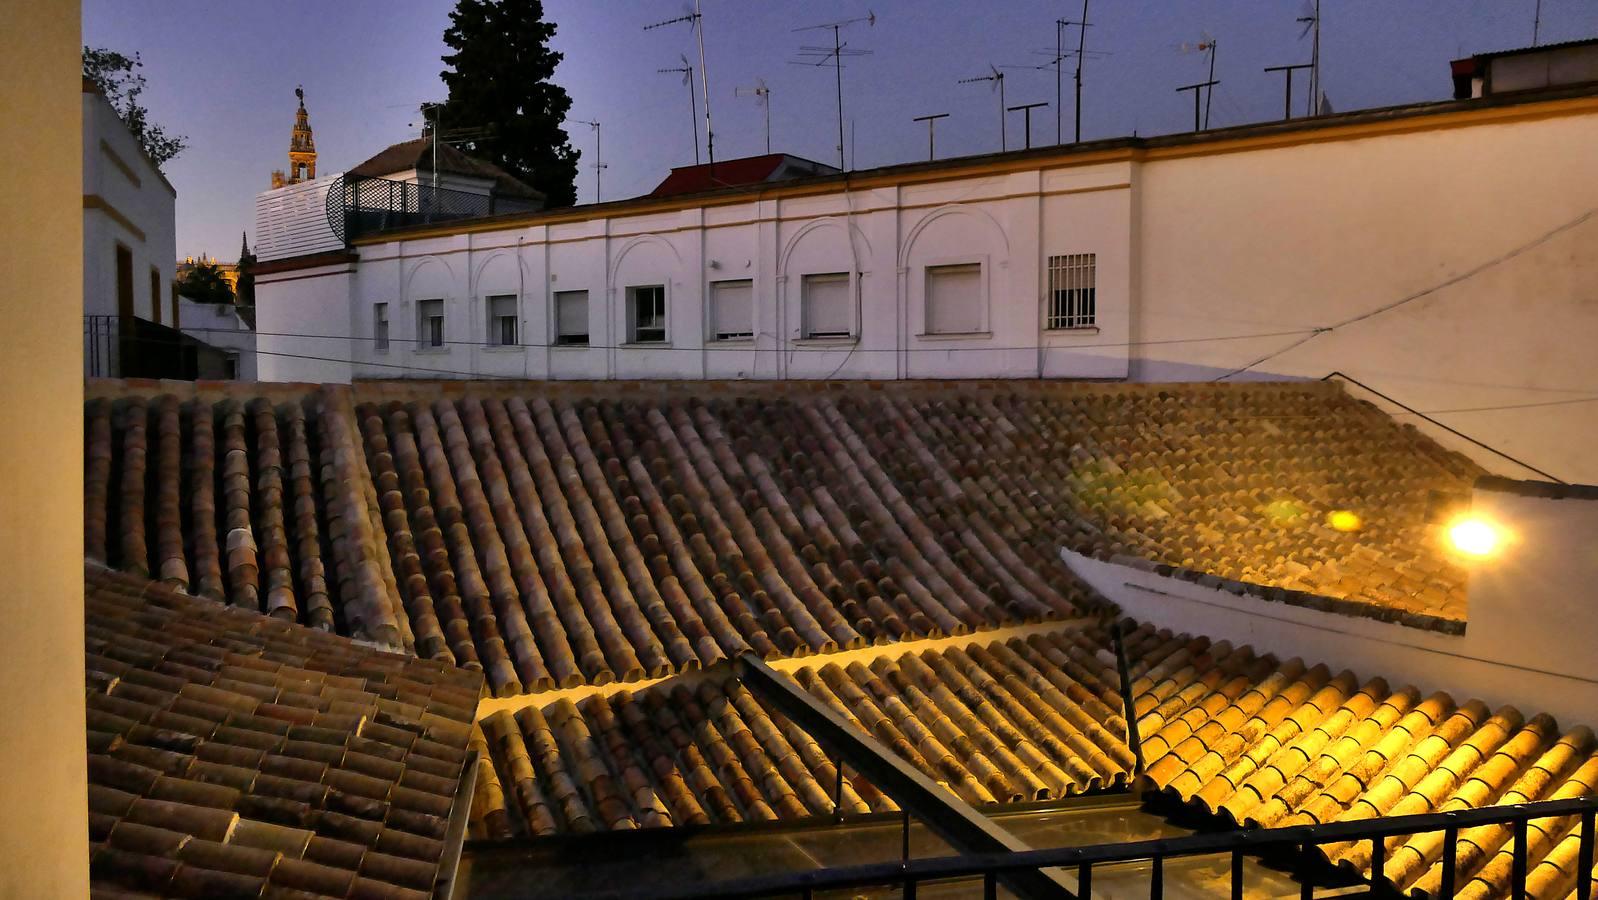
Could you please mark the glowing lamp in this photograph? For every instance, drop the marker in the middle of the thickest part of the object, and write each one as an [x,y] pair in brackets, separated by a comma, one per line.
[1474,536]
[1344,520]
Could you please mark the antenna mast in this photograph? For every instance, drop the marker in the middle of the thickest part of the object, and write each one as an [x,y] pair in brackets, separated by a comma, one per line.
[687,72]
[598,164]
[1081,50]
[997,79]
[1312,22]
[818,56]
[762,95]
[695,20]
[932,123]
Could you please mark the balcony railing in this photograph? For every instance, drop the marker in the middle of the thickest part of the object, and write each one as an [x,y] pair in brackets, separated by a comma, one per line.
[130,347]
[360,205]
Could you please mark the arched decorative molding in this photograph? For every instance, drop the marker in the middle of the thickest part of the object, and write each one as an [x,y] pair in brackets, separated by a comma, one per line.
[621,255]
[423,265]
[477,273]
[825,222]
[951,209]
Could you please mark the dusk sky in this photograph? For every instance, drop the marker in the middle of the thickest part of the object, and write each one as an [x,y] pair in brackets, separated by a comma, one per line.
[224,73]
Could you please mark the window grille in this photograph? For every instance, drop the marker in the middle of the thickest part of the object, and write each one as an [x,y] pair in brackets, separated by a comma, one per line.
[1072,291]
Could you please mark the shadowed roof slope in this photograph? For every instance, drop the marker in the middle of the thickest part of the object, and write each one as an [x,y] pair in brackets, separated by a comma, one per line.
[554,536]
[418,155]
[231,753]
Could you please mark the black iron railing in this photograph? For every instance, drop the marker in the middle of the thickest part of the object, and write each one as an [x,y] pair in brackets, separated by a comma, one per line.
[130,347]
[360,205]
[1299,840]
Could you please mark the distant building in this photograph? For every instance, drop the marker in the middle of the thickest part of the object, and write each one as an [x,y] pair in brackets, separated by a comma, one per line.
[731,173]
[229,271]
[302,149]
[1549,66]
[412,162]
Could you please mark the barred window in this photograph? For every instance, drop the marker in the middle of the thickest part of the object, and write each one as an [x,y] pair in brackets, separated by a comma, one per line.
[1072,291]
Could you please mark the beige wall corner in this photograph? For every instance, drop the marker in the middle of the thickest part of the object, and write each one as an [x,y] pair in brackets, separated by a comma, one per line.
[43,798]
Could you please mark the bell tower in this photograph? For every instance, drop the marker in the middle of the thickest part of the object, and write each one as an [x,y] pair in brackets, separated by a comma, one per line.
[302,148]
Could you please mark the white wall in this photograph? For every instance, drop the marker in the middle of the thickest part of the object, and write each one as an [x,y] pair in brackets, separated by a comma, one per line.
[302,322]
[122,188]
[1313,234]
[1475,214]
[43,771]
[220,326]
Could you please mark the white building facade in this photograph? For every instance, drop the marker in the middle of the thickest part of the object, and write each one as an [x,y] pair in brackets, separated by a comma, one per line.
[1441,254]
[129,222]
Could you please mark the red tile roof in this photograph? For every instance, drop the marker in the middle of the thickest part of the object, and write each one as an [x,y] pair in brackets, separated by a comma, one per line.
[731,173]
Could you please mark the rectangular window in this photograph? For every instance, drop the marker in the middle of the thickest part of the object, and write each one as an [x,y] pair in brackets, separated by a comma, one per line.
[954,299]
[430,324]
[155,295]
[502,321]
[1072,291]
[826,306]
[124,282]
[571,318]
[380,326]
[230,365]
[732,310]
[646,314]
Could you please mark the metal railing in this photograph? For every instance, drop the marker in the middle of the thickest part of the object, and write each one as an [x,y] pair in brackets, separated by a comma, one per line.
[360,205]
[130,347]
[1300,841]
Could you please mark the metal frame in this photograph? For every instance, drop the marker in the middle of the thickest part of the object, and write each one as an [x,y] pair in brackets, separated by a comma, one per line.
[945,814]
[1299,839]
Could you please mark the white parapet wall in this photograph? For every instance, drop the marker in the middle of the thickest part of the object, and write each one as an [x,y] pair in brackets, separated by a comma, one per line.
[1529,639]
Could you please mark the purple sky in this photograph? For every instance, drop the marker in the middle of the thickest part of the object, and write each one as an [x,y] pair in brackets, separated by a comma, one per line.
[224,75]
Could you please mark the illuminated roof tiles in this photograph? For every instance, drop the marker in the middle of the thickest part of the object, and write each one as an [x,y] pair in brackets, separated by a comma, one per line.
[230,753]
[1027,719]
[1271,744]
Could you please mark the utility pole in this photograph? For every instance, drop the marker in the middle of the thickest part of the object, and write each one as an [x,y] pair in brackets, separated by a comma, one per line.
[932,123]
[1026,109]
[1287,107]
[1197,108]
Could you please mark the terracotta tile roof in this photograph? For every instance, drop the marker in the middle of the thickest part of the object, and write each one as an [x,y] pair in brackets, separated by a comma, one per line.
[231,753]
[1264,743]
[1027,719]
[554,539]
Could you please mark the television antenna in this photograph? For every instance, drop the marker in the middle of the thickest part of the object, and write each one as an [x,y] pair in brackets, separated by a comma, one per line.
[598,164]
[686,70]
[932,123]
[1310,18]
[996,77]
[821,55]
[1287,103]
[1026,108]
[696,22]
[1207,45]
[762,95]
[1081,41]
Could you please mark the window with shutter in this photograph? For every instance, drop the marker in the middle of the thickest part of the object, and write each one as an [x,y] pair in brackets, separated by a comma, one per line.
[732,310]
[430,324]
[380,326]
[646,314]
[954,299]
[827,306]
[571,318]
[502,321]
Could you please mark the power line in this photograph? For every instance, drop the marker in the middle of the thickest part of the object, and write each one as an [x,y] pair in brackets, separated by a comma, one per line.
[1426,292]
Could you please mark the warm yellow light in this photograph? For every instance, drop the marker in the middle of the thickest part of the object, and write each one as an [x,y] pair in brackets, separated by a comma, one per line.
[1344,520]
[1474,536]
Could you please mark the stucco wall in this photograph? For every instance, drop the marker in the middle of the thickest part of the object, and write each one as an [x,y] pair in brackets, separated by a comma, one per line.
[1312,235]
[220,326]
[117,174]
[43,798]
[302,322]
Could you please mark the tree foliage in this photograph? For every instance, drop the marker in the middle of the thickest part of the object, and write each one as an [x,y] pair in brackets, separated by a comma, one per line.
[204,284]
[117,77]
[499,78]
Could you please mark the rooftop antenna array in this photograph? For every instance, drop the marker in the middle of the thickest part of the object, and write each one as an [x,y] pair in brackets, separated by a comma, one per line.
[932,123]
[598,162]
[821,55]
[1310,18]
[762,95]
[434,127]
[996,78]
[1081,49]
[1206,44]
[1287,103]
[687,72]
[695,20]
